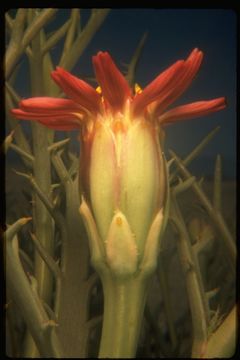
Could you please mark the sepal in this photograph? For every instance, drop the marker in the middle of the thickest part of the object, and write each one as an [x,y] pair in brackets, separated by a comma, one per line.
[152,246]
[121,249]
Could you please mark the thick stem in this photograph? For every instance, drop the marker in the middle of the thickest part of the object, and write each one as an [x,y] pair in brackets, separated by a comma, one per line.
[124,302]
[43,226]
[72,299]
[43,221]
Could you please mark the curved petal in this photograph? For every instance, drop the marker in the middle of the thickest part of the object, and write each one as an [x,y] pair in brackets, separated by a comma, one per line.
[115,88]
[193,110]
[77,89]
[58,114]
[158,87]
[182,82]
[54,120]
[48,104]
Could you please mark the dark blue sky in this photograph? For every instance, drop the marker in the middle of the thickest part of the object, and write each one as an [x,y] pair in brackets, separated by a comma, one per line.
[172,34]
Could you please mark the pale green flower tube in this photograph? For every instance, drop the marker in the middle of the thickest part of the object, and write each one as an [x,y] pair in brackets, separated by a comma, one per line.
[126,175]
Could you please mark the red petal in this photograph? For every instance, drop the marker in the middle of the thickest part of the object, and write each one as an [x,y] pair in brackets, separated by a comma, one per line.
[157,88]
[58,120]
[77,89]
[182,82]
[48,104]
[193,110]
[115,88]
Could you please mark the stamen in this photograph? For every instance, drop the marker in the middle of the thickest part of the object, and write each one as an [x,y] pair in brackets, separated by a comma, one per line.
[137,89]
[99,90]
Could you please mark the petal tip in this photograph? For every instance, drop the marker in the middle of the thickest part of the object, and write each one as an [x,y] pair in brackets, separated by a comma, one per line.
[115,88]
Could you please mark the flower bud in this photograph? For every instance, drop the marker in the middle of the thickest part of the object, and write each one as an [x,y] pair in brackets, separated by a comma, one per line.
[125,175]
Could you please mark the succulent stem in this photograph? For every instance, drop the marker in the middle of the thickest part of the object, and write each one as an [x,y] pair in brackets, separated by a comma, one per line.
[124,303]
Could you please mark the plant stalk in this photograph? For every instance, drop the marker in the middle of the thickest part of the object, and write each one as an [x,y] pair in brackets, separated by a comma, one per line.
[43,224]
[124,302]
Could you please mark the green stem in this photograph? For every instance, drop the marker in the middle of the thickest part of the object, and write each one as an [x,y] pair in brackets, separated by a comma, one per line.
[43,221]
[72,297]
[43,226]
[124,302]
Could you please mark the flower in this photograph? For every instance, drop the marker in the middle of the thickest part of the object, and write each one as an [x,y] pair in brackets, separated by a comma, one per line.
[122,166]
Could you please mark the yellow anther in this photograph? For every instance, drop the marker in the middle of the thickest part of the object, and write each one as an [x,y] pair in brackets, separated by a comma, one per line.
[137,89]
[99,90]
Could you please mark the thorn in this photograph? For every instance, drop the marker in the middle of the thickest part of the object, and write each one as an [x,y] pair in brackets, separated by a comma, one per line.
[58,145]
[29,276]
[27,176]
[55,186]
[180,181]
[170,162]
[200,181]
[33,283]
[55,200]
[60,152]
[183,185]
[189,266]
[46,257]
[8,140]
[23,153]
[13,229]
[25,220]
[51,323]
[210,294]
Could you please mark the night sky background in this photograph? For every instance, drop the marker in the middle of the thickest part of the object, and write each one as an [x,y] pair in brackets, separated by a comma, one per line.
[172,34]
